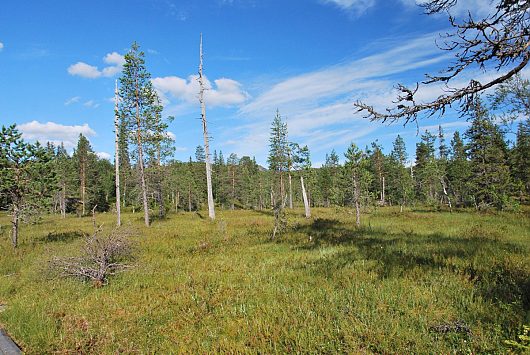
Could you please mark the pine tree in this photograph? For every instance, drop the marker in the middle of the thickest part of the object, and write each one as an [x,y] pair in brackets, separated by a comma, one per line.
[139,110]
[27,177]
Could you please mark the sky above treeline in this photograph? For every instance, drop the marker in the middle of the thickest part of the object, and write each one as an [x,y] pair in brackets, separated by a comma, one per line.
[310,59]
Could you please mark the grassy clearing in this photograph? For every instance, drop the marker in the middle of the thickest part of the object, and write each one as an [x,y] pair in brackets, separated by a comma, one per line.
[417,282]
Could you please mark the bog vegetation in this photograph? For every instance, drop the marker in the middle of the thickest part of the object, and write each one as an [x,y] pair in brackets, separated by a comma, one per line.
[410,282]
[382,253]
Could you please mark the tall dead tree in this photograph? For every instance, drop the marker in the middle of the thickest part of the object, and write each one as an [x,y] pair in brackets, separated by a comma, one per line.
[211,208]
[117,154]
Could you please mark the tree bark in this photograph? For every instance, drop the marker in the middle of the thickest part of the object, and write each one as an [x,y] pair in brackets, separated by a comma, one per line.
[63,200]
[211,207]
[233,187]
[15,224]
[290,192]
[383,193]
[306,201]
[83,184]
[141,158]
[444,187]
[117,156]
[356,198]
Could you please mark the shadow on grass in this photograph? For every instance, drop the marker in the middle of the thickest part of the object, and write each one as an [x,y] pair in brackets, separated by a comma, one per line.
[61,237]
[477,253]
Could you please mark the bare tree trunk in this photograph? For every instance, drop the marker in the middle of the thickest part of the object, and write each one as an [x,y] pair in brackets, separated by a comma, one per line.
[15,223]
[177,202]
[189,198]
[211,208]
[272,198]
[83,185]
[117,156]
[383,193]
[357,204]
[290,192]
[306,201]
[63,200]
[444,187]
[260,196]
[233,187]
[282,188]
[141,158]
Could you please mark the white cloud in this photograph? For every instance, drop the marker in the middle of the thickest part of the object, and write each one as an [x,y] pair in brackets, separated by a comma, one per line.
[313,89]
[463,7]
[85,70]
[318,106]
[55,132]
[224,92]
[171,135]
[357,7]
[104,155]
[72,100]
[1,46]
[114,58]
[91,104]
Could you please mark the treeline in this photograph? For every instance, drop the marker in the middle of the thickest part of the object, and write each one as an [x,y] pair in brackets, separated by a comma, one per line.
[475,169]
[479,168]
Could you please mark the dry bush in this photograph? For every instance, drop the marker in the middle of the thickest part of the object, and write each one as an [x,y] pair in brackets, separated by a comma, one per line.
[101,256]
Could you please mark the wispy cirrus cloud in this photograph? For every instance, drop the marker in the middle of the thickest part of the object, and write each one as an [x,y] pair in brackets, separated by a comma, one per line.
[356,7]
[318,105]
[1,46]
[72,100]
[55,132]
[462,7]
[115,63]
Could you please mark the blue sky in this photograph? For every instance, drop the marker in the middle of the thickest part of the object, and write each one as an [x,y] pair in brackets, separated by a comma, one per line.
[311,59]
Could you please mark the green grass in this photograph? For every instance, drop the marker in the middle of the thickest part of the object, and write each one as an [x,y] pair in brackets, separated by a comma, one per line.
[325,286]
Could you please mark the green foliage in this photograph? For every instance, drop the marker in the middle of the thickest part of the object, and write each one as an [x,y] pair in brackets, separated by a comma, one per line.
[487,151]
[523,340]
[27,177]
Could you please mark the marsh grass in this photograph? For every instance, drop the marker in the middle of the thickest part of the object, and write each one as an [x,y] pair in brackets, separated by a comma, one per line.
[412,282]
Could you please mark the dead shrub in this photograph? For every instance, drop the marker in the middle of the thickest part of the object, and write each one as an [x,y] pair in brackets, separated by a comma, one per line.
[101,256]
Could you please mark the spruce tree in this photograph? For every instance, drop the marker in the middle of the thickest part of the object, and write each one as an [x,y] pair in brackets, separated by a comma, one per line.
[354,158]
[487,152]
[400,179]
[521,157]
[278,156]
[458,170]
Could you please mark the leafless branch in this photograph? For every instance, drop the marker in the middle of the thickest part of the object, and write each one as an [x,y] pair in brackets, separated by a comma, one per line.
[499,41]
